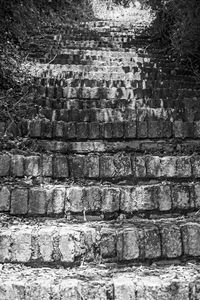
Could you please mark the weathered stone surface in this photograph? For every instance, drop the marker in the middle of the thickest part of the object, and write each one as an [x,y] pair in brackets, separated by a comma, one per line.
[108,243]
[153,165]
[74,199]
[139,166]
[4,198]
[37,201]
[17,165]
[168,166]
[191,239]
[181,196]
[60,166]
[171,241]
[92,199]
[110,200]
[122,163]
[107,167]
[32,166]
[5,162]
[164,197]
[150,242]
[19,201]
[128,244]
[21,245]
[47,165]
[91,166]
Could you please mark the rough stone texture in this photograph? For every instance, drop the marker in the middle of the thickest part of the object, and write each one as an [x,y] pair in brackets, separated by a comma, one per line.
[19,201]
[4,199]
[60,167]
[5,161]
[191,238]
[128,244]
[171,241]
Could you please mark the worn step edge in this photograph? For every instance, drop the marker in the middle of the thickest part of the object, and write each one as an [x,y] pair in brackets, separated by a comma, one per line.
[24,283]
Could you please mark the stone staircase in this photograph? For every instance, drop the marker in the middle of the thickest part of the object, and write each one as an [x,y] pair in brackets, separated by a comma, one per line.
[106,205]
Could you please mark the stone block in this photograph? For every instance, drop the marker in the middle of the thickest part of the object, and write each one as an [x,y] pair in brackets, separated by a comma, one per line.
[5,243]
[35,128]
[127,244]
[77,165]
[154,129]
[183,166]
[106,130]
[57,201]
[139,166]
[17,165]
[110,200]
[166,129]
[196,195]
[122,163]
[82,130]
[124,288]
[143,198]
[153,165]
[74,199]
[171,241]
[69,131]
[142,130]
[168,166]
[58,129]
[67,245]
[150,242]
[191,239]
[32,166]
[46,129]
[118,130]
[181,196]
[178,129]
[37,201]
[4,198]
[197,129]
[45,239]
[94,130]
[92,199]
[196,166]
[164,197]
[108,243]
[107,167]
[126,203]
[130,130]
[5,164]
[47,165]
[91,166]
[21,248]
[19,201]
[60,167]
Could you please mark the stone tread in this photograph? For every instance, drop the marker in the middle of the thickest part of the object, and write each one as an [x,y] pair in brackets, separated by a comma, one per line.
[175,283]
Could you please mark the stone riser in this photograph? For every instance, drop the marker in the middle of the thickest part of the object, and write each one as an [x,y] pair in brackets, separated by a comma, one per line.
[60,243]
[101,201]
[100,166]
[185,108]
[117,131]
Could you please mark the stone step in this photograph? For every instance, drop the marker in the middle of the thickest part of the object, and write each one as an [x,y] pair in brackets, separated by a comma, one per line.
[56,242]
[89,201]
[99,283]
[140,147]
[111,131]
[153,83]
[100,166]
